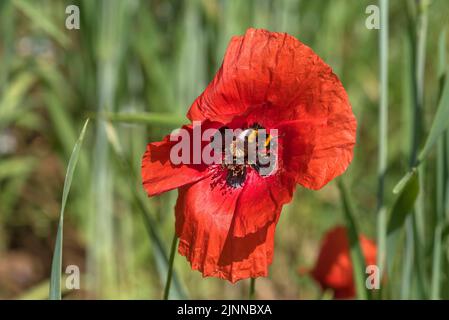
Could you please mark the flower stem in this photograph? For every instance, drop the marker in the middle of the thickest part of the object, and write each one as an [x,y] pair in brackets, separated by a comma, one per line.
[383,138]
[252,288]
[170,266]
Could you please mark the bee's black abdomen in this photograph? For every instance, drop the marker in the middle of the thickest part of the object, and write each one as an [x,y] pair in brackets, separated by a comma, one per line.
[236,176]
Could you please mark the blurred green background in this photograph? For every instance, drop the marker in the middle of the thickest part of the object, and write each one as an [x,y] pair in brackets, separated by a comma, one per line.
[134,67]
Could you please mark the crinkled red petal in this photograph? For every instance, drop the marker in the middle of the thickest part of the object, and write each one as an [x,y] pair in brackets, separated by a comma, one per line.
[159,174]
[261,201]
[204,225]
[315,153]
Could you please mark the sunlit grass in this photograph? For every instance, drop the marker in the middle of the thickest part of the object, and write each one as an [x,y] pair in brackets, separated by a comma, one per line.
[56,266]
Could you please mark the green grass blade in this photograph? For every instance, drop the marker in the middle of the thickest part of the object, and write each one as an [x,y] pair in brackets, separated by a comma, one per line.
[160,255]
[111,42]
[56,265]
[415,231]
[407,265]
[16,166]
[162,260]
[148,118]
[7,41]
[439,124]
[12,99]
[442,53]
[404,203]
[383,138]
[39,291]
[31,10]
[358,260]
[436,264]
[435,292]
[404,181]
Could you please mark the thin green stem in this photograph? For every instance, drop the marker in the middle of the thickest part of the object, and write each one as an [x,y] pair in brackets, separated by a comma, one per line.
[148,118]
[419,217]
[441,174]
[383,138]
[170,266]
[435,293]
[252,288]
[407,266]
[358,261]
[150,225]
[414,242]
[7,24]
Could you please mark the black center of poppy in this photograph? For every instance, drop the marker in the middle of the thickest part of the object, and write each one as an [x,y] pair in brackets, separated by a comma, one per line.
[236,157]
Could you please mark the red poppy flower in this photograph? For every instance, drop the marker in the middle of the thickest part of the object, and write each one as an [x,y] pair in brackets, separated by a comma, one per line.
[333,269]
[226,214]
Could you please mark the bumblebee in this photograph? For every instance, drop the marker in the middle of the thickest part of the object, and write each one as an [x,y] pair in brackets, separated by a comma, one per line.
[252,147]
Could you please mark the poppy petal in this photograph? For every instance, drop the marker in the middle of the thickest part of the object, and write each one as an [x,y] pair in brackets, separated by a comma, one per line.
[333,268]
[270,76]
[318,152]
[261,202]
[159,174]
[257,67]
[206,238]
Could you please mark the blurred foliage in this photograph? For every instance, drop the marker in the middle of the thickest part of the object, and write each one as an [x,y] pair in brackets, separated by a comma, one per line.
[147,61]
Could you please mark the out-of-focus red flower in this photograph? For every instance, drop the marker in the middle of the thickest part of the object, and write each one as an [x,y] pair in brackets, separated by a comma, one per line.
[226,214]
[333,268]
